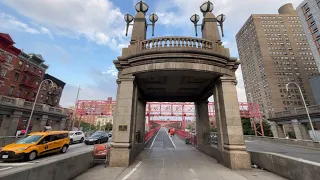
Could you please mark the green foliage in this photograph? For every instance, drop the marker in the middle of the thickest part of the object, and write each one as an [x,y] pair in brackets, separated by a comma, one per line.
[213,129]
[246,125]
[266,128]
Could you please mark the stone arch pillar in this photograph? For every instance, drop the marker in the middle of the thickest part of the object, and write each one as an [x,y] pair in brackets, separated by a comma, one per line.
[123,119]
[231,139]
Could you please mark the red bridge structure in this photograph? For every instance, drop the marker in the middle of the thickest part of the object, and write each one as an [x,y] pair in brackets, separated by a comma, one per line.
[164,113]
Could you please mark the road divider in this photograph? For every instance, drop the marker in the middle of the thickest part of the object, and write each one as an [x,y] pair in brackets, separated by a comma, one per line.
[286,166]
[64,167]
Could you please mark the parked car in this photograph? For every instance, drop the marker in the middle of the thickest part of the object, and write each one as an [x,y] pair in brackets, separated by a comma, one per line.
[76,136]
[110,134]
[98,137]
[36,144]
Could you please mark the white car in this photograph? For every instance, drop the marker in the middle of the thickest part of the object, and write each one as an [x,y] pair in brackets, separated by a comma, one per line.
[76,136]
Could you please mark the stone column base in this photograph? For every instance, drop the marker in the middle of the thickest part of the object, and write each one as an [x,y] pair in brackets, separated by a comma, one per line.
[120,157]
[236,159]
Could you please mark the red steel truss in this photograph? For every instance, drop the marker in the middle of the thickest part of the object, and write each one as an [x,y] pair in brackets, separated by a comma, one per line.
[167,109]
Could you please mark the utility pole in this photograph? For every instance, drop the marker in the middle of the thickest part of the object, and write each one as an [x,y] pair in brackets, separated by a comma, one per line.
[75,110]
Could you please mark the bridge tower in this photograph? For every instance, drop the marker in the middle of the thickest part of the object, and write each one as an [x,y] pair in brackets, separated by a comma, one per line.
[178,69]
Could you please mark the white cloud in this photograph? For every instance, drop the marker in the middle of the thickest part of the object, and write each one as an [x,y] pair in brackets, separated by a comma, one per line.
[10,22]
[46,31]
[97,20]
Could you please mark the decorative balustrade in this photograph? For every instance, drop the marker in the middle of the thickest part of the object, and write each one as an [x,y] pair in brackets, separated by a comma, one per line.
[5,100]
[8,100]
[177,42]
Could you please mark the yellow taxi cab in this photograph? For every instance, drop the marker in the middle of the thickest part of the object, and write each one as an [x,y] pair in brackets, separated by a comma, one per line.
[36,144]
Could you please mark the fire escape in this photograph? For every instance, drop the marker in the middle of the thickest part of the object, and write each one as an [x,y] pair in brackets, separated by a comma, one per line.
[30,83]
[52,96]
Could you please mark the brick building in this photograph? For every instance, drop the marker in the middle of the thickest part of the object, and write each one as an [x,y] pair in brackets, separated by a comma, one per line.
[22,73]
[8,58]
[28,73]
[274,51]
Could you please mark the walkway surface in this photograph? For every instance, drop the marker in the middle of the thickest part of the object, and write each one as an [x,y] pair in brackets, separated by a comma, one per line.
[170,158]
[294,151]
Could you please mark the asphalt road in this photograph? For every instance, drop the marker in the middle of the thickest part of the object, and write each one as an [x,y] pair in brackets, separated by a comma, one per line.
[303,153]
[74,148]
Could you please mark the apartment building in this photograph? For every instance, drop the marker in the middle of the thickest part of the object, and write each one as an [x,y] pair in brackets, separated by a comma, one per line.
[274,51]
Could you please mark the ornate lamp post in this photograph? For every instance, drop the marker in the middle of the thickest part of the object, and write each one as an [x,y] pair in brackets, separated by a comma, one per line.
[34,103]
[141,7]
[205,8]
[305,106]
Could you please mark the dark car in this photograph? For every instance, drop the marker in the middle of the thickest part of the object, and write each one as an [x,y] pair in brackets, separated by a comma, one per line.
[110,134]
[97,138]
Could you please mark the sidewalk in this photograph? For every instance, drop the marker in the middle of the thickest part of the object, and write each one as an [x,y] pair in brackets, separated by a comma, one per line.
[182,163]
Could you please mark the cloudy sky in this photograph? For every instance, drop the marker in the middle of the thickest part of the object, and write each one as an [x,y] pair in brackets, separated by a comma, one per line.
[79,39]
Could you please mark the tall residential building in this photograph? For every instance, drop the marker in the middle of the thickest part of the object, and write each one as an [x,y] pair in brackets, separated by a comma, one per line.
[309,13]
[274,51]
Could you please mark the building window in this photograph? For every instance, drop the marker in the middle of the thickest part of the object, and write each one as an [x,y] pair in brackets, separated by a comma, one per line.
[9,59]
[20,64]
[4,72]
[16,76]
[19,92]
[11,89]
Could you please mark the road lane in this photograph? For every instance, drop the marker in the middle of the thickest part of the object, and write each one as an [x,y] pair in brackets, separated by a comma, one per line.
[162,140]
[303,153]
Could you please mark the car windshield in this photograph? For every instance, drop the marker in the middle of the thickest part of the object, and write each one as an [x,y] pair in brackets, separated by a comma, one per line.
[96,135]
[71,134]
[29,139]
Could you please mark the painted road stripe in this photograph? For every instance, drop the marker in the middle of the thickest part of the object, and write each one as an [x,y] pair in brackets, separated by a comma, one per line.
[5,168]
[15,164]
[154,139]
[132,171]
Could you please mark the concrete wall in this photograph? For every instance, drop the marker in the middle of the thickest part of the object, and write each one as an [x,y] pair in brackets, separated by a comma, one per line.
[63,167]
[285,166]
[301,143]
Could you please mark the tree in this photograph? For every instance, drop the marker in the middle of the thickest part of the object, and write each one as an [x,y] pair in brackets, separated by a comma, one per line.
[246,125]
[248,130]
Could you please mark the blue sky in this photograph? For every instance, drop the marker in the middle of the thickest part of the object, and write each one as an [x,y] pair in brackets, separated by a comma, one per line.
[79,39]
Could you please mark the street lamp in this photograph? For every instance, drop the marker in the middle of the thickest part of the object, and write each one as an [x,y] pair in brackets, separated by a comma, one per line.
[34,103]
[305,106]
[205,8]
[141,7]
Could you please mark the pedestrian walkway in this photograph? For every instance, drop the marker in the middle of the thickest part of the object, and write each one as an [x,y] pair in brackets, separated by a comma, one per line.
[177,161]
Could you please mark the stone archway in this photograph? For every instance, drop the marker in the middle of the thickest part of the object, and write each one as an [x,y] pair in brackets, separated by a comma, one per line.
[178,69]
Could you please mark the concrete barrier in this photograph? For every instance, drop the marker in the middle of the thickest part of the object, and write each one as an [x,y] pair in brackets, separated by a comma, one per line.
[286,166]
[62,167]
[295,142]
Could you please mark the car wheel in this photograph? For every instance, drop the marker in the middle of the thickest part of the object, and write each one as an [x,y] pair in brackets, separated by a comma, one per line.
[32,156]
[82,139]
[71,141]
[64,149]
[99,141]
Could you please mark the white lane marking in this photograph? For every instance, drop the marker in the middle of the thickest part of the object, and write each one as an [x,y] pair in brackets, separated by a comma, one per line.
[5,168]
[14,164]
[171,140]
[195,177]
[132,171]
[154,139]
